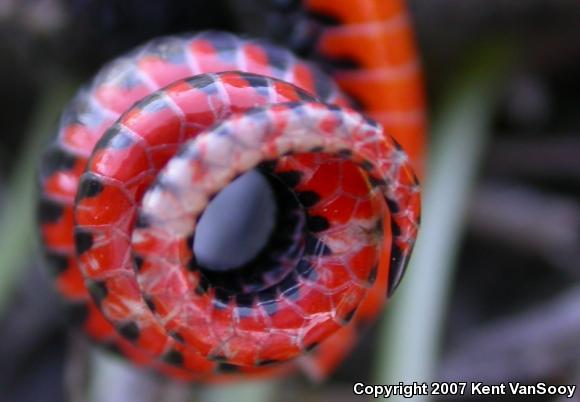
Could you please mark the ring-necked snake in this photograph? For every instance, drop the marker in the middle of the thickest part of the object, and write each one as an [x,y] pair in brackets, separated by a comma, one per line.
[144,148]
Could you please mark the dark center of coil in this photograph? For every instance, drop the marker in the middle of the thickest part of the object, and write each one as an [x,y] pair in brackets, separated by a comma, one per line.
[248,259]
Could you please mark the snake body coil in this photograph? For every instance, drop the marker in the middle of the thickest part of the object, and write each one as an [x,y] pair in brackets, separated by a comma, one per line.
[145,147]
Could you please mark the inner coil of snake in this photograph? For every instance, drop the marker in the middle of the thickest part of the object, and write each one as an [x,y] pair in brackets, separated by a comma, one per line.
[140,154]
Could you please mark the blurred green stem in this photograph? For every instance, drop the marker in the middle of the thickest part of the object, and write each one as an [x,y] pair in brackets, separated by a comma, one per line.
[411,332]
[251,391]
[17,217]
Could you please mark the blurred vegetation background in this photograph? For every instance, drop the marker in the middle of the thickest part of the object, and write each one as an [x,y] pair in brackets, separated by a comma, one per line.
[493,293]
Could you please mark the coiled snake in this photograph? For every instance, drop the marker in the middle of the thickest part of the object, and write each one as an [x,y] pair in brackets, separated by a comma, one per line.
[142,150]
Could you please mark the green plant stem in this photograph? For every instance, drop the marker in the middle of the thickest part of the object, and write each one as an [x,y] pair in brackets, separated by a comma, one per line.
[251,391]
[411,332]
[17,217]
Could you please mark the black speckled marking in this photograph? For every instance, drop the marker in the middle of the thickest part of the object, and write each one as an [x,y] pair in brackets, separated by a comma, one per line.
[256,81]
[143,220]
[77,313]
[138,262]
[165,184]
[98,290]
[266,362]
[317,223]
[217,358]
[245,300]
[224,131]
[83,241]
[55,160]
[90,186]
[128,78]
[57,263]
[270,307]
[277,58]
[289,288]
[376,181]
[82,112]
[395,273]
[308,198]
[393,206]
[202,286]
[105,140]
[378,228]
[267,295]
[203,82]
[312,346]
[287,284]
[395,142]
[314,246]
[129,331]
[345,153]
[322,83]
[297,108]
[305,96]
[153,103]
[395,229]
[49,211]
[187,152]
[121,140]
[373,274]
[305,270]
[227,368]
[262,86]
[267,166]
[173,357]
[177,336]
[150,303]
[291,178]
[190,243]
[373,123]
[348,317]
[223,296]
[366,165]
[416,181]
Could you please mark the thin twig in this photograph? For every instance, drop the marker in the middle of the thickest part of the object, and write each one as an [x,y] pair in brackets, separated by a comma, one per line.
[549,157]
[527,347]
[546,225]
